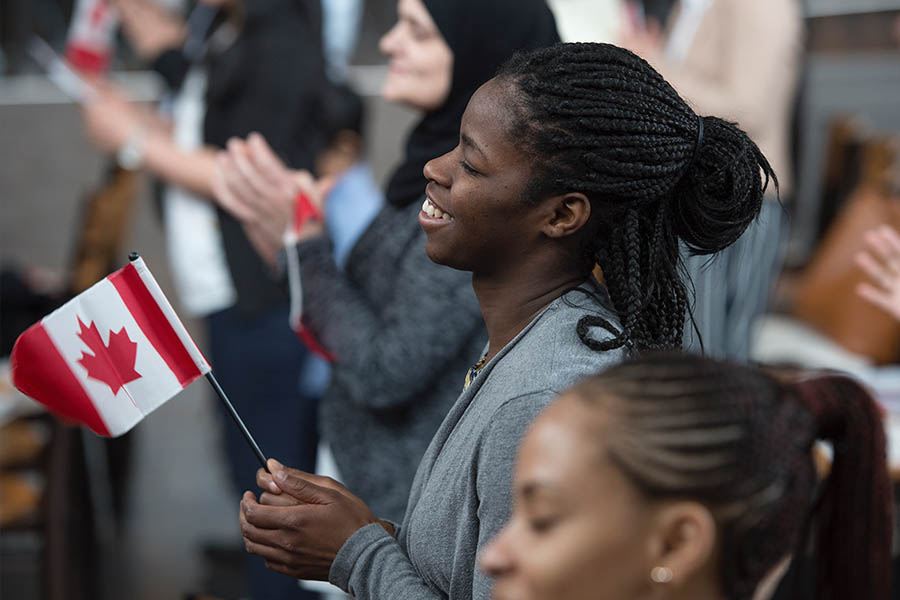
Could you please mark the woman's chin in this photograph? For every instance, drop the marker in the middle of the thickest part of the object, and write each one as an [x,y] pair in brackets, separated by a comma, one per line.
[434,254]
[442,256]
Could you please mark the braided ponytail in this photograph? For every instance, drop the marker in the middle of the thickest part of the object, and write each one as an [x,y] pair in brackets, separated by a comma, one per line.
[853,531]
[599,120]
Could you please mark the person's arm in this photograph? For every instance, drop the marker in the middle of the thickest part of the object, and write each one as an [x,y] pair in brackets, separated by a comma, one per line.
[372,564]
[395,354]
[327,533]
[111,121]
[193,170]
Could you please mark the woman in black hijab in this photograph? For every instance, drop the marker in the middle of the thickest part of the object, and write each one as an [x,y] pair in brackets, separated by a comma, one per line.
[404,330]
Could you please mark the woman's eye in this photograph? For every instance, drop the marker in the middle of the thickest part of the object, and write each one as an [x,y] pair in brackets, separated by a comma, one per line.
[542,525]
[468,168]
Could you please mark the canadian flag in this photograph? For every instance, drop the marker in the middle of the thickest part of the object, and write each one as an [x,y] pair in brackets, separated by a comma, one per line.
[110,356]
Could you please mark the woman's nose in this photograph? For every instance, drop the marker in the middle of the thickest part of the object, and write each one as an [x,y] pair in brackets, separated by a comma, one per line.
[496,559]
[436,170]
[388,42]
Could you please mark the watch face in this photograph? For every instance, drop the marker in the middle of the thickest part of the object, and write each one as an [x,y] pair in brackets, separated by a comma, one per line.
[129,156]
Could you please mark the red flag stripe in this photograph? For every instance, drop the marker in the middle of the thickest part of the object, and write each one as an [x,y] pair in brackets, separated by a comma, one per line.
[34,357]
[154,324]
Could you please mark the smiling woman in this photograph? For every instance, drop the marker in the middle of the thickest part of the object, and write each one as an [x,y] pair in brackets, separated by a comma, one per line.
[481,185]
[572,155]
[421,63]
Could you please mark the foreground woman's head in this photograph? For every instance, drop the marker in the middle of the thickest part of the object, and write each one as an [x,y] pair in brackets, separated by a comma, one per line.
[676,476]
[586,151]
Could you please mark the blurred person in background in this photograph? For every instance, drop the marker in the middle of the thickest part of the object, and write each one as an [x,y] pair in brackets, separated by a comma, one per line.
[354,200]
[739,60]
[234,68]
[402,329]
[341,21]
[678,477]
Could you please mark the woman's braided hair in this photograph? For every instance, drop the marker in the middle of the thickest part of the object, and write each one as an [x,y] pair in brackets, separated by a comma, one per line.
[739,441]
[599,120]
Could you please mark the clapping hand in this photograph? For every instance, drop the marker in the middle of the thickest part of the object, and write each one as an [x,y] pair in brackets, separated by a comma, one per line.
[255,186]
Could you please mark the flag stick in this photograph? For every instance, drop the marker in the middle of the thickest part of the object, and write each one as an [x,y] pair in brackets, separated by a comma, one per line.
[237,420]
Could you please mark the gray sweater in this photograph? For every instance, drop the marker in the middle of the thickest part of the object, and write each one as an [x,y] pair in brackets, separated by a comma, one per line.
[461,495]
[405,331]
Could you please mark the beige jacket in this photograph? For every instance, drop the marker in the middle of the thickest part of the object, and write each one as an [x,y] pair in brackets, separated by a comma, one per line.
[742,65]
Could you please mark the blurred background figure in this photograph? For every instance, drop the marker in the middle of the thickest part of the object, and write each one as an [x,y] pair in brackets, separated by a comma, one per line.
[739,60]
[341,21]
[233,68]
[229,69]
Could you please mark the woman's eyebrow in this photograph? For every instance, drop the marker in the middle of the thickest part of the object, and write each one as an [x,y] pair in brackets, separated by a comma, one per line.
[535,488]
[467,141]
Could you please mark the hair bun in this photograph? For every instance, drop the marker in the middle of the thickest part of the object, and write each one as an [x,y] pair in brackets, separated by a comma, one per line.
[721,191]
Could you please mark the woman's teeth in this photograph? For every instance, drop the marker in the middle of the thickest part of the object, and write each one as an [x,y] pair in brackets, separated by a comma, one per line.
[433,211]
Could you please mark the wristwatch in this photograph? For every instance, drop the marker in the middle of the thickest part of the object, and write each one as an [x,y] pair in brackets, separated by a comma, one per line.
[131,154]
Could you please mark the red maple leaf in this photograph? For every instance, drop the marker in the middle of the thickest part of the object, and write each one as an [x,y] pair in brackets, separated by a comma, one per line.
[113,364]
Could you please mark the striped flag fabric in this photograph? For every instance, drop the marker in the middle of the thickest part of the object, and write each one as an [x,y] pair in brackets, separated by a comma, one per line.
[110,356]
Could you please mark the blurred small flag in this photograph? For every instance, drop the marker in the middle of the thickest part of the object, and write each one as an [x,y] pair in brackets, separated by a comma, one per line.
[110,356]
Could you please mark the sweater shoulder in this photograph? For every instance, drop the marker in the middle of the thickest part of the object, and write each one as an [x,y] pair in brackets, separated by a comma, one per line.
[551,356]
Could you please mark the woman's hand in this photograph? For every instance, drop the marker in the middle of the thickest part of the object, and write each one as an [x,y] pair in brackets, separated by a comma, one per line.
[300,537]
[150,29]
[881,262]
[273,496]
[255,187]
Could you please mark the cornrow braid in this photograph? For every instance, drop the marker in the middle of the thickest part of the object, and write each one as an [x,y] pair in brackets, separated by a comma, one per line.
[599,120]
[740,442]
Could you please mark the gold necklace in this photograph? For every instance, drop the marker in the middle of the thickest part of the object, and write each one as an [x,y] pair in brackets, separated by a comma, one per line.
[474,371]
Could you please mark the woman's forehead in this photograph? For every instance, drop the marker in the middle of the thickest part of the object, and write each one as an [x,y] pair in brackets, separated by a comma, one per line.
[489,119]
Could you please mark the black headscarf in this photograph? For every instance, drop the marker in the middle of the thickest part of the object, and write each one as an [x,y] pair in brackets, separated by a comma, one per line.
[482,34]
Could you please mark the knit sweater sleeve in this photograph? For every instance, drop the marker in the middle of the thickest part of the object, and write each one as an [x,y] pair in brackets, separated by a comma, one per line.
[372,565]
[394,352]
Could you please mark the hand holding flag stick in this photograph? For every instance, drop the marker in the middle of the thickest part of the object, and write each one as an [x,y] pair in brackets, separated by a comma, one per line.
[111,384]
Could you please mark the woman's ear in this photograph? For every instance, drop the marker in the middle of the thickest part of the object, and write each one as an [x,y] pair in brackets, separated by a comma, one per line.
[684,544]
[566,214]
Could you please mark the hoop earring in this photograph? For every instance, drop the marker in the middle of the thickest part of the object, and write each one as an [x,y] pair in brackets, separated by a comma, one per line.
[661,574]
